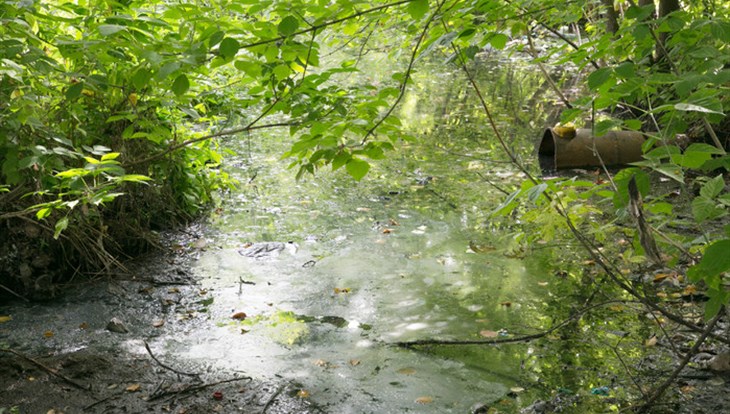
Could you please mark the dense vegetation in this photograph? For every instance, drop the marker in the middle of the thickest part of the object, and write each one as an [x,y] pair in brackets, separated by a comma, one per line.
[112,112]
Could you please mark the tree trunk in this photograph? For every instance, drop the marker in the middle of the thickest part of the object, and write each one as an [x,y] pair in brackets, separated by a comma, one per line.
[611,16]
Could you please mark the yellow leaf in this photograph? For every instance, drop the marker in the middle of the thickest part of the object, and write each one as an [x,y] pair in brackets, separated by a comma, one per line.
[133,98]
[303,394]
[342,290]
[406,371]
[650,342]
[424,400]
[4,319]
[48,334]
[354,362]
[489,334]
[133,388]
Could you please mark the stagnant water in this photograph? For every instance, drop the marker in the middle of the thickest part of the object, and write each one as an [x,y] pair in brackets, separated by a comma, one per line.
[391,258]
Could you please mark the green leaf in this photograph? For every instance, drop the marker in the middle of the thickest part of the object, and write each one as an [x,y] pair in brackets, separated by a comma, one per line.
[715,261]
[61,225]
[417,8]
[74,91]
[288,26]
[228,48]
[705,209]
[718,298]
[499,41]
[110,156]
[599,77]
[181,85]
[110,29]
[357,168]
[141,78]
[43,213]
[713,187]
[695,108]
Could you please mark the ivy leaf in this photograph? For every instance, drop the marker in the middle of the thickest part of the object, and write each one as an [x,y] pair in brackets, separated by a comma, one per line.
[110,29]
[228,48]
[288,26]
[357,168]
[417,8]
[181,85]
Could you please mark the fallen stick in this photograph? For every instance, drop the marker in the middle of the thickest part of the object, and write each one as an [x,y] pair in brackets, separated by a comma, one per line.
[51,371]
[149,351]
[196,388]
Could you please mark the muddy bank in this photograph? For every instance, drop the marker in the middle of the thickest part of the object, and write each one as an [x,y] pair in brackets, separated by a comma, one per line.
[67,355]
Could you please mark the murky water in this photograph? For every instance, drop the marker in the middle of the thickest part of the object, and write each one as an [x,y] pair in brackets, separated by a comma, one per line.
[384,260]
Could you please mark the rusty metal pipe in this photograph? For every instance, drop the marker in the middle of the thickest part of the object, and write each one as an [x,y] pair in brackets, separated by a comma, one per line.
[584,150]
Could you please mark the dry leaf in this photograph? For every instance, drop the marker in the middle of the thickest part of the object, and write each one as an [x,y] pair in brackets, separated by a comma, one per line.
[406,371]
[387,231]
[84,325]
[517,390]
[303,394]
[506,304]
[392,222]
[650,342]
[687,389]
[342,290]
[239,316]
[489,334]
[354,362]
[424,400]
[48,334]
[689,290]
[173,290]
[321,363]
[4,319]
[133,388]
[542,284]
[158,324]
[362,209]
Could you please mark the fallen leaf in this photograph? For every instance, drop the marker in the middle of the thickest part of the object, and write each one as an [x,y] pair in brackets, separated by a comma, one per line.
[133,388]
[542,284]
[661,276]
[173,290]
[4,319]
[662,295]
[406,371]
[506,304]
[321,363]
[303,394]
[689,290]
[354,362]
[489,334]
[342,290]
[392,222]
[424,400]
[48,334]
[687,389]
[158,323]
[218,395]
[650,342]
[517,390]
[239,316]
[362,209]
[387,231]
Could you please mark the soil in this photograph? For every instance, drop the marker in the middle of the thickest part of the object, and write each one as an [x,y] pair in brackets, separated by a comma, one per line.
[87,367]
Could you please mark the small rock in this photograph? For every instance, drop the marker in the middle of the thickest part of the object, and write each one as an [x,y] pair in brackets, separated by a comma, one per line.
[117,326]
[721,362]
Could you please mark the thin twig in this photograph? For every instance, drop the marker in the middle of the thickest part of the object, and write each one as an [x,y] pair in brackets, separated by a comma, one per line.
[167,367]
[272,399]
[658,391]
[197,388]
[12,292]
[51,371]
